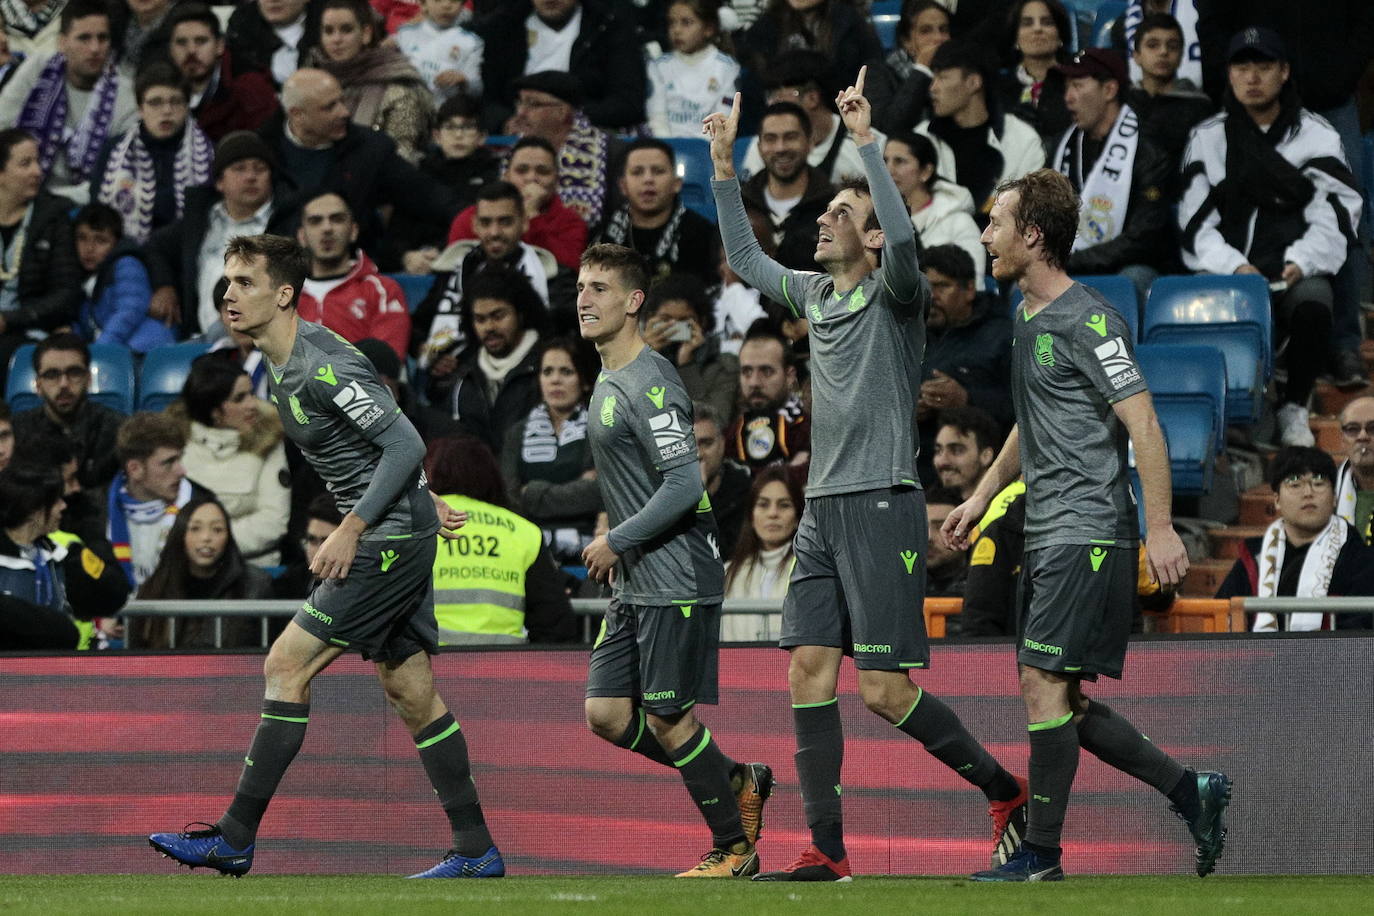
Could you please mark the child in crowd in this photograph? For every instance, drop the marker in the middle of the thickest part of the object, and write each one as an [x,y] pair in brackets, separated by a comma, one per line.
[447,55]
[694,79]
[115,310]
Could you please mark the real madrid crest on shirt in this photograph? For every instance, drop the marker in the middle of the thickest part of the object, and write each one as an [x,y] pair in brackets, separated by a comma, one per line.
[1106,189]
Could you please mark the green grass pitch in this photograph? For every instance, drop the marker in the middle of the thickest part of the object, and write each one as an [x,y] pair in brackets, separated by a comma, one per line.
[341,895]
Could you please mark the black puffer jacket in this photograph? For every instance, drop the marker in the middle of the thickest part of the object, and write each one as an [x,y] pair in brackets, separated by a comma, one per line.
[50,275]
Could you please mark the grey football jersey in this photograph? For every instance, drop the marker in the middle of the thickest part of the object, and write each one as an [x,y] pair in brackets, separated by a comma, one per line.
[640,426]
[333,407]
[1071,362]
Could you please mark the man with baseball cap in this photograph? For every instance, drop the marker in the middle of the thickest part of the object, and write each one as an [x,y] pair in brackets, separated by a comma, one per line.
[1120,174]
[1267,191]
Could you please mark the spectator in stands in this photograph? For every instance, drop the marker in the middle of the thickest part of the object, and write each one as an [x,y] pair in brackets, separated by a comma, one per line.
[1267,192]
[1039,34]
[941,210]
[447,56]
[239,347]
[677,318]
[145,172]
[9,59]
[138,31]
[317,147]
[34,614]
[496,383]
[966,443]
[698,76]
[1355,477]
[546,461]
[549,105]
[653,219]
[234,440]
[898,85]
[72,101]
[1122,176]
[62,365]
[738,306]
[118,291]
[274,37]
[968,341]
[727,483]
[1309,551]
[1169,105]
[553,225]
[458,160]
[761,564]
[32,26]
[789,192]
[979,146]
[590,39]
[201,561]
[381,88]
[496,581]
[186,258]
[946,569]
[6,434]
[148,492]
[223,99]
[345,292]
[322,518]
[437,329]
[773,426]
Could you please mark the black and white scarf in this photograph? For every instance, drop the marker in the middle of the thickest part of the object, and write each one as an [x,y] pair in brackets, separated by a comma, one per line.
[540,444]
[620,231]
[130,180]
[1106,189]
[29,22]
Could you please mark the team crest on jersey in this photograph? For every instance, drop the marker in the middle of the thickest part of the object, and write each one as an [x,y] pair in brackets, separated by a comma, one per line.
[857,299]
[670,435]
[297,411]
[608,410]
[1117,363]
[1044,349]
[360,406]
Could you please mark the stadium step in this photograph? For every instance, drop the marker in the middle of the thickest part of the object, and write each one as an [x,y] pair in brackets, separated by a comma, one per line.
[1330,400]
[1204,578]
[1257,506]
[1328,433]
[1228,542]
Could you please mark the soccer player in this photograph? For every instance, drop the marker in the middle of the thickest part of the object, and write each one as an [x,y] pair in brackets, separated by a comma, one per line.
[859,580]
[1078,395]
[376,594]
[655,658]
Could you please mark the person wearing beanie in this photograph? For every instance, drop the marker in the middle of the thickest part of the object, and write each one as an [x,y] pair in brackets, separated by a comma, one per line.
[186,257]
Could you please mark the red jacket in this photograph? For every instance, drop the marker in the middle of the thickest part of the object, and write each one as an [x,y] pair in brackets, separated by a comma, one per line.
[365,304]
[241,102]
[558,230]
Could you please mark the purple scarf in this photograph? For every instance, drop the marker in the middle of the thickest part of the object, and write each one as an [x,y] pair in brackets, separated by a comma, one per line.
[582,169]
[130,181]
[45,116]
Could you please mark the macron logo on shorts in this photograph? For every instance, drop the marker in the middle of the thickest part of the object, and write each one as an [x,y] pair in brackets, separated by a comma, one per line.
[361,408]
[669,435]
[1117,363]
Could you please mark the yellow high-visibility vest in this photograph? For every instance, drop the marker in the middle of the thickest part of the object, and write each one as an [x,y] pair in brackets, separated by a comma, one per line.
[479,576]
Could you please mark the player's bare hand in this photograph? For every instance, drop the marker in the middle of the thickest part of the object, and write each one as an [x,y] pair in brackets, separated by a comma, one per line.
[721,130]
[165,306]
[450,78]
[1167,556]
[450,519]
[599,559]
[960,522]
[855,110]
[335,557]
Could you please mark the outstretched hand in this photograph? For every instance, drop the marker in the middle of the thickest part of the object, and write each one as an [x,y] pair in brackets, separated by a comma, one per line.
[721,130]
[855,111]
[450,519]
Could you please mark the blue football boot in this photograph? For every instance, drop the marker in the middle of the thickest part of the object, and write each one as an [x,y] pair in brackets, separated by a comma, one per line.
[204,848]
[1023,866]
[488,865]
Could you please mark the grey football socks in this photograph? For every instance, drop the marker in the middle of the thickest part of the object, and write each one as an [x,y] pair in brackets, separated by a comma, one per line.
[820,755]
[1053,764]
[444,753]
[936,726]
[280,734]
[706,773]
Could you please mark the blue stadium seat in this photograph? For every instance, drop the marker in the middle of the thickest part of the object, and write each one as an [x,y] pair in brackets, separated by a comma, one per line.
[20,390]
[695,169]
[885,24]
[414,287]
[1118,290]
[164,373]
[112,377]
[500,141]
[1188,384]
[1229,312]
[1107,15]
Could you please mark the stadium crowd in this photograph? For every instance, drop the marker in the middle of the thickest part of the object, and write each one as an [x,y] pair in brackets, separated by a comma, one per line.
[445,164]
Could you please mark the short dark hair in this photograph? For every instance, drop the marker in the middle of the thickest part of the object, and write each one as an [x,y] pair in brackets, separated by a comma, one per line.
[943,496]
[11,137]
[80,9]
[287,263]
[458,105]
[497,281]
[529,140]
[860,187]
[950,260]
[973,421]
[194,12]
[465,466]
[26,488]
[582,355]
[702,410]
[767,329]
[788,108]
[67,342]
[47,449]
[159,73]
[1153,22]
[5,411]
[500,189]
[652,143]
[911,10]
[99,217]
[1049,203]
[146,432]
[680,287]
[324,508]
[208,385]
[626,262]
[1296,460]
[317,193]
[965,56]
[803,68]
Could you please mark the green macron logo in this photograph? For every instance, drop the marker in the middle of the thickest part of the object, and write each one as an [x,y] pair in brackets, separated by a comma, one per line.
[248,760]
[1042,647]
[1044,350]
[326,374]
[909,558]
[837,789]
[816,312]
[1041,798]
[686,608]
[1098,322]
[297,411]
[389,557]
[1096,556]
[608,411]
[656,394]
